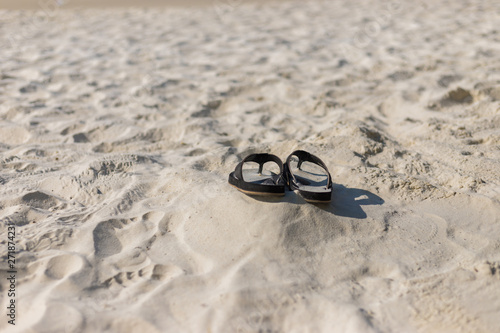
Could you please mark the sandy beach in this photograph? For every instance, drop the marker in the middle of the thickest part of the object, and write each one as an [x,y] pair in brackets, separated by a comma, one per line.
[119,127]
[49,5]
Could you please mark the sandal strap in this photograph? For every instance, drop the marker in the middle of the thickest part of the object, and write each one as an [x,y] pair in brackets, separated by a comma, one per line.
[261,159]
[304,156]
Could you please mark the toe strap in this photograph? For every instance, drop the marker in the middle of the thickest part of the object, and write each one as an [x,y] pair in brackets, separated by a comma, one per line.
[304,156]
[261,159]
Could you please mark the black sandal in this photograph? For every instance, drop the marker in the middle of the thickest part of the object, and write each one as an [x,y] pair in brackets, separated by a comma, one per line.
[253,182]
[311,186]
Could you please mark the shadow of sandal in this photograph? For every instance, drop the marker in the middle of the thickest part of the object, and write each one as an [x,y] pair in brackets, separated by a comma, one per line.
[348,202]
[345,202]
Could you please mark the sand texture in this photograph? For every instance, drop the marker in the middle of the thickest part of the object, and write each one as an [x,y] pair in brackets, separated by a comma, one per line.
[119,127]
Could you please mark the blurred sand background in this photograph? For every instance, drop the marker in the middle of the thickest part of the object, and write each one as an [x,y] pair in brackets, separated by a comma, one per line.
[72,4]
[119,127]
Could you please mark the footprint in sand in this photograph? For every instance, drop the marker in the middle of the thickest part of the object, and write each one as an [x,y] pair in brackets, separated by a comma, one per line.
[171,246]
[458,96]
[63,266]
[430,240]
[422,234]
[115,235]
[38,199]
[106,243]
[151,272]
[417,229]
[125,249]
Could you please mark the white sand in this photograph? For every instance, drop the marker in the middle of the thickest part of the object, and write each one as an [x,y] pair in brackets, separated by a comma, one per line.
[119,128]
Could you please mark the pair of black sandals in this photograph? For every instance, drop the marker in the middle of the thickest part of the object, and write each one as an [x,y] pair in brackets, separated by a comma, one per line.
[313,186]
